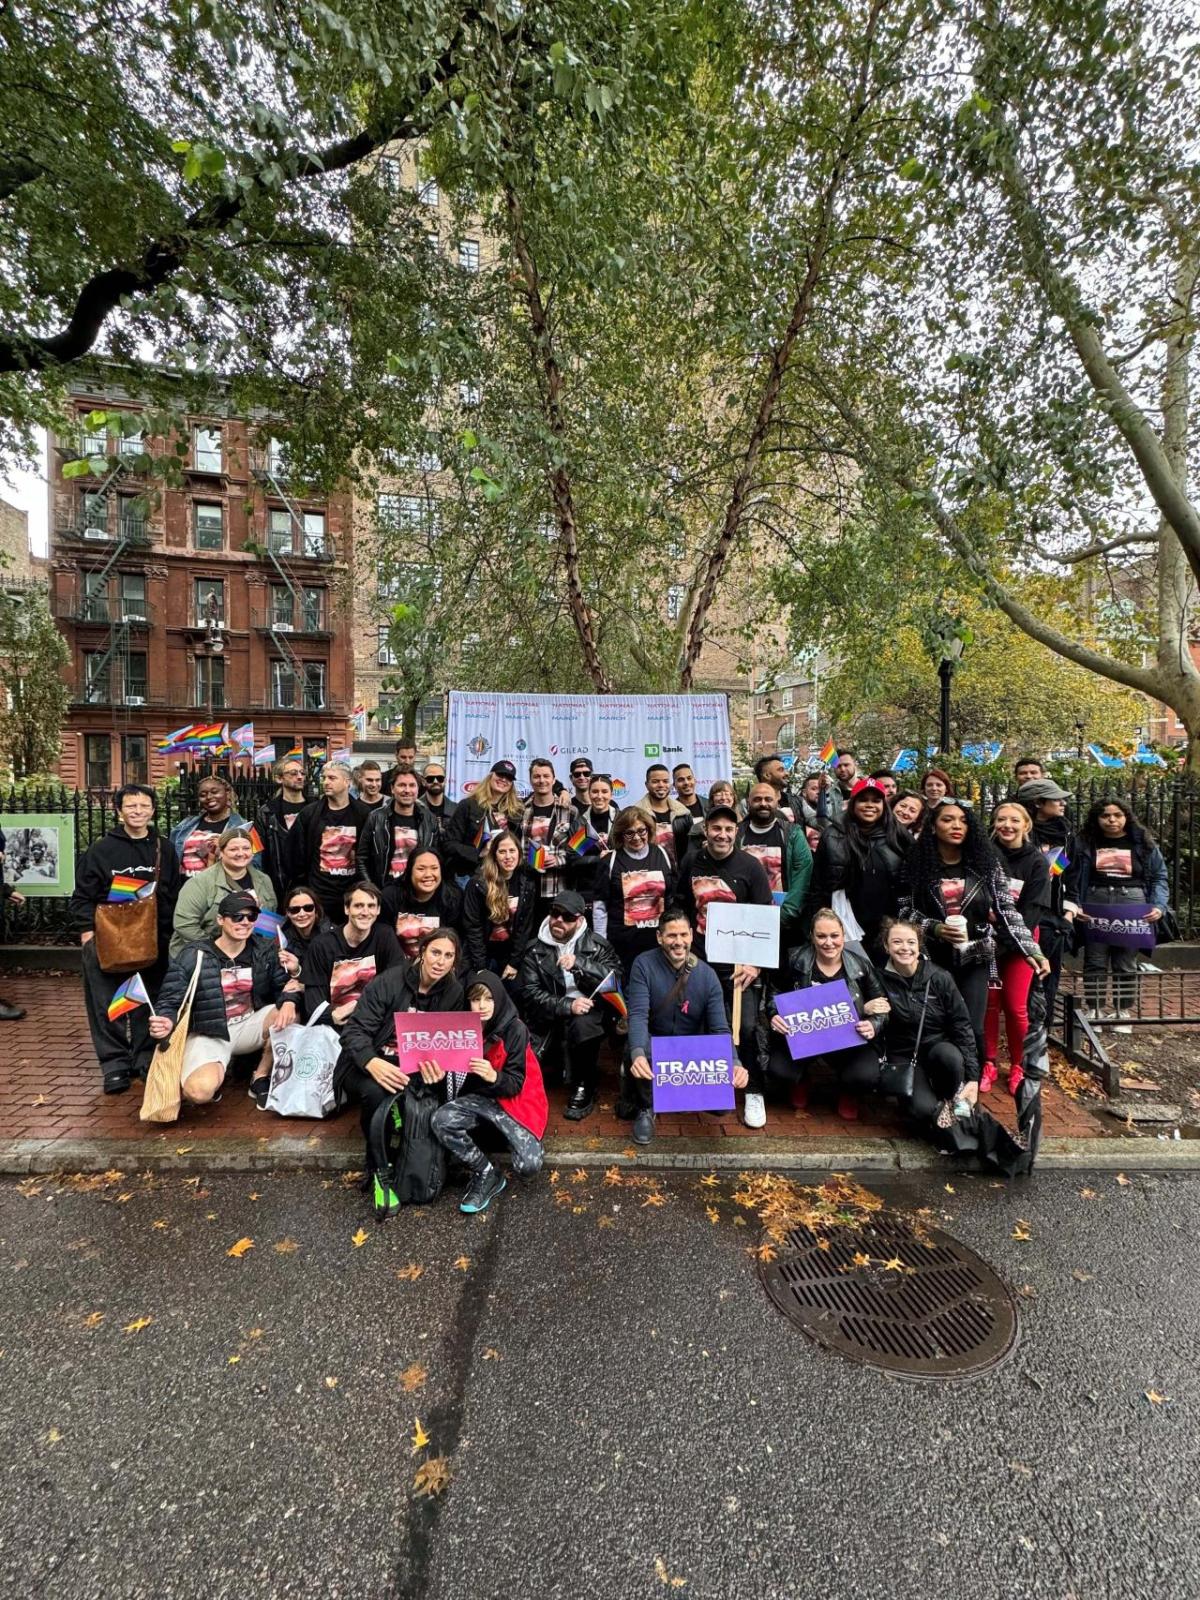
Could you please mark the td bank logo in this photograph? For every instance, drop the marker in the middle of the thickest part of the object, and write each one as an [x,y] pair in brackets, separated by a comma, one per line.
[651,750]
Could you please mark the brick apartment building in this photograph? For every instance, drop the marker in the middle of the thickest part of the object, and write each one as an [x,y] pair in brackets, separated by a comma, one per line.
[220,600]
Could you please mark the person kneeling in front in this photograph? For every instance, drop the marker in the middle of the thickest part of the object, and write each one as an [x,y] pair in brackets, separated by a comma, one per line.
[239,998]
[504,1087]
[672,994]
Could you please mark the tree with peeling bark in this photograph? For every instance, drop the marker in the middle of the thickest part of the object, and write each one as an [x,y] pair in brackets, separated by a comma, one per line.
[1030,397]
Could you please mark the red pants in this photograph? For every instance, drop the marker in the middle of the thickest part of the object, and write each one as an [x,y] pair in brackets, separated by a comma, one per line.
[1012,997]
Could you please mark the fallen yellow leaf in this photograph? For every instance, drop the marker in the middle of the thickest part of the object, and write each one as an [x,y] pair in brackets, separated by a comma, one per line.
[1021,1231]
[1081,1276]
[1123,1180]
[822,1244]
[419,1439]
[712,1214]
[664,1577]
[1154,1397]
[894,1265]
[39,1100]
[254,1196]
[160,1223]
[239,1249]
[138,1324]
[491,1354]
[93,1319]
[360,1238]
[432,1476]
[285,1247]
[764,1251]
[183,1149]
[612,1177]
[410,1273]
[413,1377]
[233,1361]
[655,1198]
[861,1260]
[710,1180]
[949,1188]
[555,1176]
[579,1175]
[331,1383]
[463,1263]
[1087,1194]
[604,1222]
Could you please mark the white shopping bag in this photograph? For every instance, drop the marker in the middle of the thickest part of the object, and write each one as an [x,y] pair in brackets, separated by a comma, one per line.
[304,1056]
[843,908]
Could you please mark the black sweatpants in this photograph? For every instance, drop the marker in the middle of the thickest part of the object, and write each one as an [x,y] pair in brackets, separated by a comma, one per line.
[972,984]
[939,1073]
[126,1043]
[359,1085]
[856,1068]
[573,1048]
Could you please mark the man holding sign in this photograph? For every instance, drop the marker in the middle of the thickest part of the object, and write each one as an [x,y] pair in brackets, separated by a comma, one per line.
[672,995]
[721,874]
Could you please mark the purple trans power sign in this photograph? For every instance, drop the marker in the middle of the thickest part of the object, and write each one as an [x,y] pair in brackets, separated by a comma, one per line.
[694,1073]
[819,1019]
[1119,923]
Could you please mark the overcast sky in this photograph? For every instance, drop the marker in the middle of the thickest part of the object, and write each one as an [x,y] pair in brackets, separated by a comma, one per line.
[28,491]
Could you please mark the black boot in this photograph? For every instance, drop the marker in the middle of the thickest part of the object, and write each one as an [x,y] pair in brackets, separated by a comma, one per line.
[579,1103]
[10,1013]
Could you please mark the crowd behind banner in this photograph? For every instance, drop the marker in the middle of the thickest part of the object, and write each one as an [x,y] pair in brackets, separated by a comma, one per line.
[457,956]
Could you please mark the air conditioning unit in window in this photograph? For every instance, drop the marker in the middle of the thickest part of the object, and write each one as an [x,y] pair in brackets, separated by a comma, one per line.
[96,533]
[282,627]
[135,700]
[134,616]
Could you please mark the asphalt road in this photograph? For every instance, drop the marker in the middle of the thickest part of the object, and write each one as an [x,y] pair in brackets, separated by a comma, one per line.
[621,1411]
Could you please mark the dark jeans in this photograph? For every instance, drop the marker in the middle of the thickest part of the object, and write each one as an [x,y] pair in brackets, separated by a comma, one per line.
[856,1069]
[126,1043]
[939,1073]
[1099,960]
[571,1049]
[972,983]
[454,1122]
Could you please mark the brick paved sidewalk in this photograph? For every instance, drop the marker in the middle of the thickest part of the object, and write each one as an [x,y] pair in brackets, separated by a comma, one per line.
[51,1091]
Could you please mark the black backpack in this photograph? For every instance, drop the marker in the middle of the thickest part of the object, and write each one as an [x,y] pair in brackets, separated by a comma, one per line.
[405,1155]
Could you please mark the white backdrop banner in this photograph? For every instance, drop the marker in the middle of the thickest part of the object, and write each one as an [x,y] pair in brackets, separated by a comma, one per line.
[620,734]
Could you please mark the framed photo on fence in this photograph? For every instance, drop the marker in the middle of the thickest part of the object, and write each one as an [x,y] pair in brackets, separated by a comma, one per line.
[39,852]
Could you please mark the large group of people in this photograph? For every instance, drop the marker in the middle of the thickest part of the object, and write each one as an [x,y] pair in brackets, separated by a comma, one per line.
[565,924]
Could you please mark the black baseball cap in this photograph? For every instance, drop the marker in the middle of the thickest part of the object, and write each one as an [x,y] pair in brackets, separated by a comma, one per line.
[580,764]
[721,811]
[237,901]
[505,769]
[569,903]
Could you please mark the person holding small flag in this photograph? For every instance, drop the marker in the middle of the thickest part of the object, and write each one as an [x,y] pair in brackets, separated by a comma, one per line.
[232,872]
[195,838]
[240,996]
[142,864]
[1046,803]
[490,808]
[564,977]
[547,822]
[672,994]
[589,843]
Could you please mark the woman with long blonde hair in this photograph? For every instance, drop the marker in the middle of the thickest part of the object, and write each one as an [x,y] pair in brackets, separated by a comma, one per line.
[1028,876]
[492,806]
[499,908]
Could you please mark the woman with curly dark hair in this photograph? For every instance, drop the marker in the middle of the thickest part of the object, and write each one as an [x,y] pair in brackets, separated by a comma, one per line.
[861,859]
[1116,862]
[958,894]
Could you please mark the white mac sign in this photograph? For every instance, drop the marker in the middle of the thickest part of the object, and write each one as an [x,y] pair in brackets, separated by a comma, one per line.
[621,734]
[738,935]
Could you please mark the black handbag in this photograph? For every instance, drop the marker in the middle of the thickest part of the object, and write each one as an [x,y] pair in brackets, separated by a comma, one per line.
[1166,929]
[898,1080]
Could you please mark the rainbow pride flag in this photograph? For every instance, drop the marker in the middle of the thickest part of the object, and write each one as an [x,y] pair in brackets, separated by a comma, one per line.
[1059,862]
[536,857]
[828,752]
[294,754]
[618,786]
[131,994]
[581,841]
[125,886]
[255,838]
[609,989]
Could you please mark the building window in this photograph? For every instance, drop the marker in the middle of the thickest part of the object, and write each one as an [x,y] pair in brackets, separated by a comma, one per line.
[93,515]
[429,193]
[279,533]
[132,444]
[135,677]
[468,255]
[312,603]
[95,597]
[283,686]
[210,599]
[131,518]
[387,171]
[314,533]
[135,763]
[210,682]
[314,686]
[787,698]
[433,240]
[93,444]
[468,394]
[277,460]
[133,596]
[281,606]
[208,522]
[97,760]
[206,449]
[675,599]
[385,655]
[97,678]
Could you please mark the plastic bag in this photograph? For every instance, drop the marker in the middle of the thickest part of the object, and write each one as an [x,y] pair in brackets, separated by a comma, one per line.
[304,1056]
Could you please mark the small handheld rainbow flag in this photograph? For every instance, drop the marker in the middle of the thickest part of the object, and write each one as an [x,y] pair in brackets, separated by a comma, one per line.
[1059,862]
[294,754]
[828,752]
[268,922]
[536,857]
[128,997]
[581,841]
[255,837]
[125,886]
[609,988]
[485,833]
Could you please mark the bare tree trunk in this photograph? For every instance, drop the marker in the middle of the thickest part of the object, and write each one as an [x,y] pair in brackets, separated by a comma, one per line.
[802,305]
[1176,579]
[559,480]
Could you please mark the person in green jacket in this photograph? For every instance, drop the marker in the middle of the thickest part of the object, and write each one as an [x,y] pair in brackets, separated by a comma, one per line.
[782,848]
[196,908]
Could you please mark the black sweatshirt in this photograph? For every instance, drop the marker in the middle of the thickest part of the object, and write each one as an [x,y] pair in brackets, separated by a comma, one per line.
[115,853]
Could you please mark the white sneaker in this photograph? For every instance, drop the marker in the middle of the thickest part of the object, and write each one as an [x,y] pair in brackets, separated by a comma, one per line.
[754,1111]
[1121,1022]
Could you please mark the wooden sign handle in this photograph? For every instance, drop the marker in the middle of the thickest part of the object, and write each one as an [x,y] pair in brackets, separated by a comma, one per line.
[737,1006]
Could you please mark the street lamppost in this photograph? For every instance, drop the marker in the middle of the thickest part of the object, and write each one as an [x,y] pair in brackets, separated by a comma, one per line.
[213,645]
[1079,738]
[952,649]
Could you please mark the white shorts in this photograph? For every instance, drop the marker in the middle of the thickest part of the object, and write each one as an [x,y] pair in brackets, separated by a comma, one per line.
[245,1038]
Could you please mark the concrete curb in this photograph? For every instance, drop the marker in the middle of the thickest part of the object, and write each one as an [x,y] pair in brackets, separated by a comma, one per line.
[290,1153]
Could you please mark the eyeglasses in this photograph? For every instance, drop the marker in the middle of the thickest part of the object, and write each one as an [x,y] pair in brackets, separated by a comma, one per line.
[637,833]
[241,916]
[301,911]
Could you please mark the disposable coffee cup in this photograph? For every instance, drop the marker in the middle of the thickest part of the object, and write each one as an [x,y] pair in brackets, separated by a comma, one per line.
[957,924]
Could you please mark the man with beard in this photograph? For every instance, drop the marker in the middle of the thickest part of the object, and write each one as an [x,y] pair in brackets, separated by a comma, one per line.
[581,779]
[323,842]
[435,802]
[684,780]
[719,872]
[782,850]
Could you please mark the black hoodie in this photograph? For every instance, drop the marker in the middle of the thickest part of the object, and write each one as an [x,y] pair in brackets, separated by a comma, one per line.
[1049,835]
[503,1026]
[1029,879]
[117,852]
[371,1030]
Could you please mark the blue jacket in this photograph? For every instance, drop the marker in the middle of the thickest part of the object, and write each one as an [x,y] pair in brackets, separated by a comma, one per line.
[699,1007]
[1149,869]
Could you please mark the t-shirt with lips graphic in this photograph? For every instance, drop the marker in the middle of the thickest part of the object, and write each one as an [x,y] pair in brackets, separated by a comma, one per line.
[502,931]
[1115,862]
[664,834]
[644,892]
[410,925]
[706,891]
[237,986]
[200,848]
[349,978]
[335,853]
[404,842]
[766,846]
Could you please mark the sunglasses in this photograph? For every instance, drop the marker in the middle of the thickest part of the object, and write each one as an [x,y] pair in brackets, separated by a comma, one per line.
[581,772]
[301,911]
[434,777]
[241,916]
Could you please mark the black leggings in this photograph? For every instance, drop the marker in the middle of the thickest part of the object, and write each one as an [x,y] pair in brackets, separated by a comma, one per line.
[972,984]
[855,1068]
[939,1073]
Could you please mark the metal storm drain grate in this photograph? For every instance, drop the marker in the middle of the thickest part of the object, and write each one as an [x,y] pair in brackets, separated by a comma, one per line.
[915,1303]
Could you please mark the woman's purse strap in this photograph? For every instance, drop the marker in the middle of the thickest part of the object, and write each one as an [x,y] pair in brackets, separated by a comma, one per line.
[921,1019]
